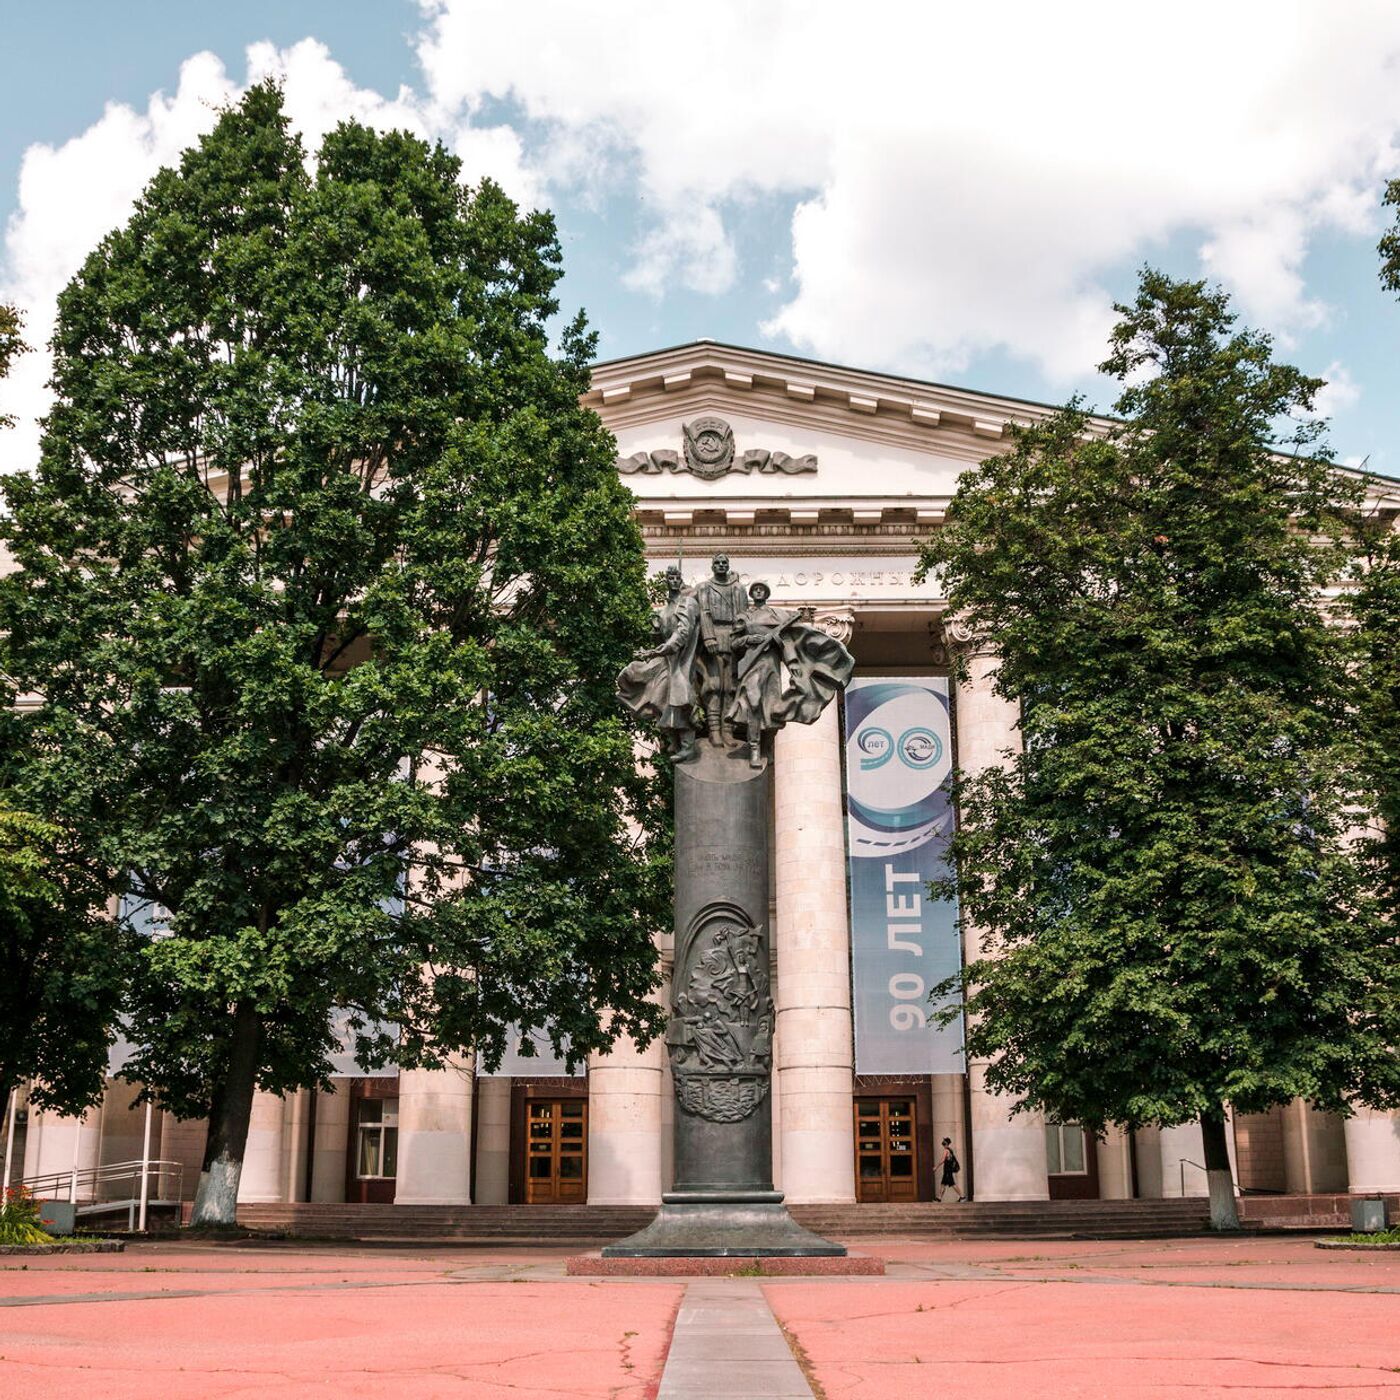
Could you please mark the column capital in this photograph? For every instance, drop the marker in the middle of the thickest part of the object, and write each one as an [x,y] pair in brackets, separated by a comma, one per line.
[963,635]
[835,622]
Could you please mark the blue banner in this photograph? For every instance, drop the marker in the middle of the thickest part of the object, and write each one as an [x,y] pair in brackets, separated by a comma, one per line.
[899,753]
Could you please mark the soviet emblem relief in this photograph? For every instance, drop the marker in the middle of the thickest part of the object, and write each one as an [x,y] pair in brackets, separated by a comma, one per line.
[709,447]
[721,1033]
[708,452]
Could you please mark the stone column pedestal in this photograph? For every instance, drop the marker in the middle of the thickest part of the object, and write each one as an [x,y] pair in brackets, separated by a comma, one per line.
[1008,1153]
[1373,1150]
[56,1143]
[492,1141]
[813,1070]
[1183,1144]
[1115,1163]
[435,1135]
[262,1176]
[624,1125]
[332,1131]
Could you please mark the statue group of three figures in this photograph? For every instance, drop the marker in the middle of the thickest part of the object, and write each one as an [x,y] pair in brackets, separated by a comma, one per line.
[729,664]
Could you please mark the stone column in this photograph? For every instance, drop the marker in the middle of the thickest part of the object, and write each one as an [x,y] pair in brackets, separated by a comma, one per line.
[624,1125]
[493,1141]
[56,1142]
[262,1176]
[1149,1163]
[296,1137]
[1184,1142]
[813,1076]
[1314,1149]
[1373,1150]
[1115,1162]
[332,1143]
[435,1135]
[1008,1154]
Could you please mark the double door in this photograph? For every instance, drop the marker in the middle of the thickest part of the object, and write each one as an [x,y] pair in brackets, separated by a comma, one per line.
[556,1151]
[887,1153]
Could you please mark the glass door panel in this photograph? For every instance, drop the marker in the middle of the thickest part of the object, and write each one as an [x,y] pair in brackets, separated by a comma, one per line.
[887,1157]
[556,1151]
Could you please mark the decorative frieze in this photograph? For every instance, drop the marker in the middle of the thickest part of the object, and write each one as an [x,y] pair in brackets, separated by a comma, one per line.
[708,452]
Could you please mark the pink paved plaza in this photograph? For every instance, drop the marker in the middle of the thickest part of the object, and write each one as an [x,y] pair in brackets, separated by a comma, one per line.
[182,1321]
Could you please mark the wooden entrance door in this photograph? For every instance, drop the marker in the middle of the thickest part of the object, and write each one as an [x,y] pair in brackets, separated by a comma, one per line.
[887,1154]
[556,1151]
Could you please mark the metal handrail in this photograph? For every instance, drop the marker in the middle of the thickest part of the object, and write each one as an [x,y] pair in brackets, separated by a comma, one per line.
[1184,1162]
[88,1183]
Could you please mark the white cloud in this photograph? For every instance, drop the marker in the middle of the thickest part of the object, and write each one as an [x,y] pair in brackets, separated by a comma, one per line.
[1340,391]
[71,195]
[964,177]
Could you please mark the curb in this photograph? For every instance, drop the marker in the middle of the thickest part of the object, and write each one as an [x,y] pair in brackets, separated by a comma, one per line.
[77,1247]
[1378,1248]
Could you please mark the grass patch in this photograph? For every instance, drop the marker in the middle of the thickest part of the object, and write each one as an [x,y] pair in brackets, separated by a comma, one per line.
[1391,1236]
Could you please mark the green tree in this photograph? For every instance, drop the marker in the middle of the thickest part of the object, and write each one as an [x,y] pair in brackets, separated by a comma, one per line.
[63,965]
[1376,610]
[11,347]
[1173,919]
[326,575]
[62,962]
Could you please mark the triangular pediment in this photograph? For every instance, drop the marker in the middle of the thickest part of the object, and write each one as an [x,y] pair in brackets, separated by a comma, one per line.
[880,441]
[814,437]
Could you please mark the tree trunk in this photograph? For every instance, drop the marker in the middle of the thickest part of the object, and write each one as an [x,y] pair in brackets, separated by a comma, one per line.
[6,1088]
[216,1201]
[1224,1215]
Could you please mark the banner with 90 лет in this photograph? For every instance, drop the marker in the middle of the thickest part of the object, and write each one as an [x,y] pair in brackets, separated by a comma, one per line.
[899,819]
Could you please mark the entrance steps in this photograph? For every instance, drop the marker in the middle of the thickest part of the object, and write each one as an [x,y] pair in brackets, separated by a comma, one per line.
[585,1225]
[1013,1219]
[561,1225]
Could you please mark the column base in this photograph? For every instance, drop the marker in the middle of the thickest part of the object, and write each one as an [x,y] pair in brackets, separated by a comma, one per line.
[713,1224]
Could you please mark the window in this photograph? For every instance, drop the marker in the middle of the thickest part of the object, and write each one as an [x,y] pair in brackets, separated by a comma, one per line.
[1064,1149]
[377,1151]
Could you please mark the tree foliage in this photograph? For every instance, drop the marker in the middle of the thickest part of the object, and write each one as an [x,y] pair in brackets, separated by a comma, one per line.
[63,965]
[326,574]
[1172,918]
[1376,613]
[62,962]
[11,347]
[1376,610]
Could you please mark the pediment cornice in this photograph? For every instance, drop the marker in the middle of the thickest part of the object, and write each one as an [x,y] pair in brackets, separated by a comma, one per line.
[707,376]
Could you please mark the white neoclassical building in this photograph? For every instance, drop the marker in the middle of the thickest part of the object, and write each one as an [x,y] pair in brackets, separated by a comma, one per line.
[818,480]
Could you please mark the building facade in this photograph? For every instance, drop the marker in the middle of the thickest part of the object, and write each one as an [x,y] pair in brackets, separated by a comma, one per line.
[818,481]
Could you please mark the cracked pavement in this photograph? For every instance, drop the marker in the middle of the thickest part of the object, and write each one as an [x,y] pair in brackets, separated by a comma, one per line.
[1255,1317]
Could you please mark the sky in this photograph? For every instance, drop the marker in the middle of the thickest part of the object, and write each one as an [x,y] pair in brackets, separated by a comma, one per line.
[943,191]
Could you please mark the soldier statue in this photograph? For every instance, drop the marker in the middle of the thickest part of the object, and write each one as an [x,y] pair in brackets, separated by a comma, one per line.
[751,667]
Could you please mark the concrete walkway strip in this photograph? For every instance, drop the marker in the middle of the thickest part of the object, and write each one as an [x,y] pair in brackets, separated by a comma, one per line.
[728,1346]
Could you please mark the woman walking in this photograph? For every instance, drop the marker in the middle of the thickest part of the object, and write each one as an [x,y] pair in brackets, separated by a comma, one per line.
[951,1167]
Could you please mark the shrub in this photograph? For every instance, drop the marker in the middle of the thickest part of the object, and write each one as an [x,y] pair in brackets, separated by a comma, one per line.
[20,1222]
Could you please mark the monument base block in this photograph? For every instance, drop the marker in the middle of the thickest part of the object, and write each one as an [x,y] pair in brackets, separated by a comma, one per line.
[734,1266]
[719,1225]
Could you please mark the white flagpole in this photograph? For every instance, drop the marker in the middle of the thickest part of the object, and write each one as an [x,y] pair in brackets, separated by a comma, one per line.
[10,1136]
[145,1170]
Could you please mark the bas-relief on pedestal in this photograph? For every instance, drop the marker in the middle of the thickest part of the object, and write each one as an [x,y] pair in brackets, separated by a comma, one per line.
[726,672]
